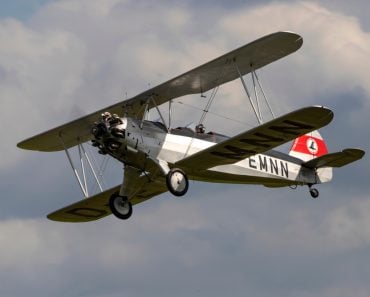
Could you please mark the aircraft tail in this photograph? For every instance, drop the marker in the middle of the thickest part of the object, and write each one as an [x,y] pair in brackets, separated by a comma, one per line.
[311,149]
[309,146]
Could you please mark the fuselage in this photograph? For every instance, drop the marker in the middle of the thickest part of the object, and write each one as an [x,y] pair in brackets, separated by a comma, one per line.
[146,139]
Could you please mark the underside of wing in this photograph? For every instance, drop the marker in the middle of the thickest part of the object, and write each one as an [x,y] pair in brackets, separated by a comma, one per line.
[97,207]
[337,159]
[260,139]
[65,136]
[201,79]
[86,210]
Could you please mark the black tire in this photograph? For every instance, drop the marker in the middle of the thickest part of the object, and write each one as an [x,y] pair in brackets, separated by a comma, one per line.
[120,206]
[314,193]
[177,182]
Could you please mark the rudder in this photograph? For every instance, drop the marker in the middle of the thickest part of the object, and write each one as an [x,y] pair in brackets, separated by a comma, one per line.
[309,146]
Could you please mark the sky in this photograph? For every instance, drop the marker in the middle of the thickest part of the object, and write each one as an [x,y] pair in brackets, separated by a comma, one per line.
[62,59]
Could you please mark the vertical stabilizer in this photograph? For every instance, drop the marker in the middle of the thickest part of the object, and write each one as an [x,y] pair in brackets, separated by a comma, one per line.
[309,146]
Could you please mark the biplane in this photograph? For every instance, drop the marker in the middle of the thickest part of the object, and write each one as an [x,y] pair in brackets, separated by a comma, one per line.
[158,158]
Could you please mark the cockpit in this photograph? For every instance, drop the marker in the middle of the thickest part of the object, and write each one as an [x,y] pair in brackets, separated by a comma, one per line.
[199,133]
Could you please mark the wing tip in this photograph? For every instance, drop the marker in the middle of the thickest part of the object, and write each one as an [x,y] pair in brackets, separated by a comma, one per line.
[30,145]
[298,39]
[26,145]
[66,219]
[21,145]
[354,152]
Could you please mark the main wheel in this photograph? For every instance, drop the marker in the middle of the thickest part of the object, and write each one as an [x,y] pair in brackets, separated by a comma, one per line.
[120,206]
[314,193]
[177,182]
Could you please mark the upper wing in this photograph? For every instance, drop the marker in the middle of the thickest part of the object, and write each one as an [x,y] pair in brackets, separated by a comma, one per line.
[97,207]
[201,79]
[259,139]
[338,159]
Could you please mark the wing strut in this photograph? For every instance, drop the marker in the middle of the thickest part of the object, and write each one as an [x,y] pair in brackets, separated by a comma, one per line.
[248,94]
[169,114]
[263,93]
[257,86]
[82,155]
[145,114]
[160,114]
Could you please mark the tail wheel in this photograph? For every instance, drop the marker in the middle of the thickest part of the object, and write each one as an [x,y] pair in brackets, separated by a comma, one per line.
[314,193]
[177,182]
[120,206]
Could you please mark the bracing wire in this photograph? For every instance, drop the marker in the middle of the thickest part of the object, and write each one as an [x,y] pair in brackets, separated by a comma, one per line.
[216,114]
[101,170]
[208,105]
[264,95]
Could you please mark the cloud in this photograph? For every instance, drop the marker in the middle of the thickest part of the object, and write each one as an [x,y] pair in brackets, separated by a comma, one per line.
[334,54]
[194,245]
[342,228]
[39,72]
[84,55]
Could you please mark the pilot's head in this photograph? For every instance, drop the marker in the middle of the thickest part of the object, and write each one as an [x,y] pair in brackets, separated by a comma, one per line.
[199,128]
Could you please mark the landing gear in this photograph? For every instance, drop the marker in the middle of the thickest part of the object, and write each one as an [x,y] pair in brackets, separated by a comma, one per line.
[314,193]
[177,182]
[120,206]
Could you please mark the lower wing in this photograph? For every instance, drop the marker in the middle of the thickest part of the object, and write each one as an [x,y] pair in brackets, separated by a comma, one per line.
[260,139]
[97,206]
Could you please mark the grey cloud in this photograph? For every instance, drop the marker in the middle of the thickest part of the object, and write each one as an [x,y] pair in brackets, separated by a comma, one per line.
[195,245]
[220,239]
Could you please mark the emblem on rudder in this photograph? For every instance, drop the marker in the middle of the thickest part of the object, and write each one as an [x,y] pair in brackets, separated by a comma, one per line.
[312,146]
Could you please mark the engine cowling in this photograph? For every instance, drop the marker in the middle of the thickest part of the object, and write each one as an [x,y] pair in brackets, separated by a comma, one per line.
[109,133]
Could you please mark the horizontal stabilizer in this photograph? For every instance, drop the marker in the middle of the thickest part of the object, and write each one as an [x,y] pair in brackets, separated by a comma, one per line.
[338,159]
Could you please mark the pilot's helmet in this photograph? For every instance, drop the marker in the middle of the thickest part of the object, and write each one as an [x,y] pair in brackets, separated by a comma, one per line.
[200,128]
